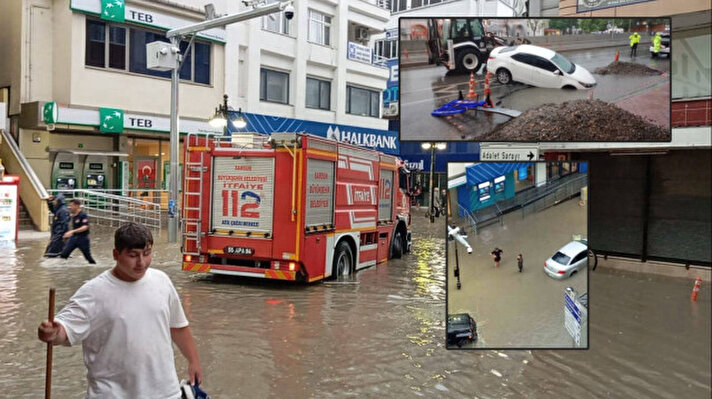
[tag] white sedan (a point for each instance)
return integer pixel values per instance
(567, 261)
(537, 66)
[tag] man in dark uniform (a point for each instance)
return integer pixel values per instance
(60, 225)
(79, 234)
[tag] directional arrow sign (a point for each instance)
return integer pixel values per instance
(509, 154)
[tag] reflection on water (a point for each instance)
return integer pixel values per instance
(380, 335)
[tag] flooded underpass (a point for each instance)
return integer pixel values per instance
(379, 335)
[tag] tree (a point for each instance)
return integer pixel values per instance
(562, 23)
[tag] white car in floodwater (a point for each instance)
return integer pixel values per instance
(567, 261)
(537, 66)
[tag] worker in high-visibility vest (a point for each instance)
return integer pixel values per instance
(634, 40)
(657, 40)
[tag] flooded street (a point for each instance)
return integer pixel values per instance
(425, 89)
(513, 309)
(380, 335)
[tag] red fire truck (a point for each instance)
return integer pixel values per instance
(291, 206)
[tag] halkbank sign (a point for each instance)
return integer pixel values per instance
(119, 11)
(381, 140)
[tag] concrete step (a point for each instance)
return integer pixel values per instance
(24, 220)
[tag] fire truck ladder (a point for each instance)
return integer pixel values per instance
(194, 173)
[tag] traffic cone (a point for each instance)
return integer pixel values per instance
(696, 289)
(488, 92)
(618, 54)
(471, 95)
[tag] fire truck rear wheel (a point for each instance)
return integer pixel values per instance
(397, 245)
(343, 260)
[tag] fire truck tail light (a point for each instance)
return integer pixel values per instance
(292, 266)
(188, 258)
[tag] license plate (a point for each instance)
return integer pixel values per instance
(239, 251)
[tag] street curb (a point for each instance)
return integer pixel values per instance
(654, 267)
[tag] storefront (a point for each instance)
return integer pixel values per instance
(486, 183)
(127, 153)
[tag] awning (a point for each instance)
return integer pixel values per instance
(486, 171)
(90, 152)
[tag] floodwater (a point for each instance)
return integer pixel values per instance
(425, 89)
(378, 336)
(516, 310)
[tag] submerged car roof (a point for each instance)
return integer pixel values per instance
(573, 248)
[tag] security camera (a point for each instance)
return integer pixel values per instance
(289, 11)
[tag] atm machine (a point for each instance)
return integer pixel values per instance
(95, 172)
(65, 172)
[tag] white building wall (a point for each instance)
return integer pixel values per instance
(250, 48)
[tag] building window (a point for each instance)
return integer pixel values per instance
(274, 86)
(126, 51)
(362, 102)
(319, 28)
(276, 22)
(387, 48)
(318, 94)
(691, 66)
(399, 5)
(96, 37)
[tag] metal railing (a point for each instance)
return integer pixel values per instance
(555, 195)
(471, 222)
(113, 210)
(484, 217)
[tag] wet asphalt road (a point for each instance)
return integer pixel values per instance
(424, 89)
(381, 335)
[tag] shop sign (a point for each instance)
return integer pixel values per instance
(590, 5)
(358, 52)
(381, 140)
(111, 120)
(49, 112)
(392, 34)
(108, 121)
(391, 93)
(119, 11)
(113, 10)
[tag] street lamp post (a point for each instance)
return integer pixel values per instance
(432, 147)
(175, 36)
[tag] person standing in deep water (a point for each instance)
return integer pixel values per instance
(78, 236)
(60, 225)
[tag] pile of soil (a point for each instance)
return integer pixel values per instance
(626, 68)
(577, 120)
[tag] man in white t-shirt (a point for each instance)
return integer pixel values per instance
(125, 319)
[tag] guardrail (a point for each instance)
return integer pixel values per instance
(113, 210)
(555, 195)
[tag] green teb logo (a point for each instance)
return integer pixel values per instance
(50, 113)
(112, 10)
(111, 120)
